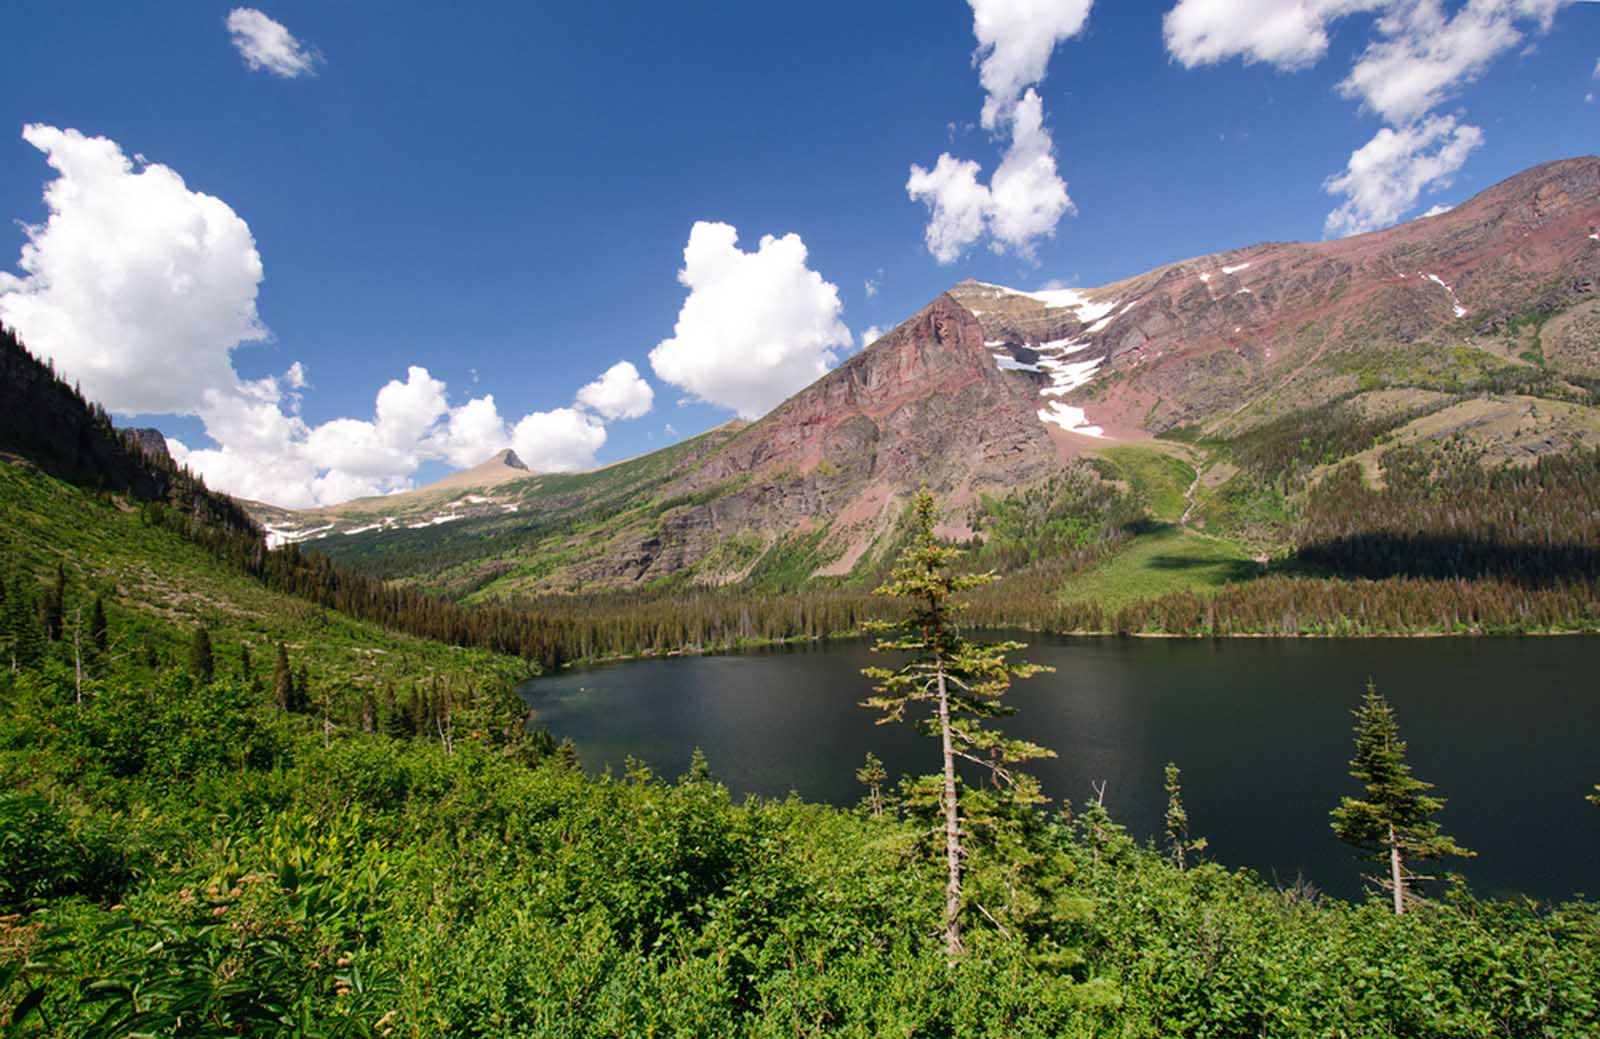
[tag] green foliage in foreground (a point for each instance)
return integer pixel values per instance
(184, 859)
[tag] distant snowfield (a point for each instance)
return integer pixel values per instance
(1454, 301)
(1065, 376)
(277, 537)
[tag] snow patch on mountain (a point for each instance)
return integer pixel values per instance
(1454, 301)
(1069, 418)
(1007, 363)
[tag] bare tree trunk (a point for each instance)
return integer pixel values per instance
(1397, 878)
(952, 831)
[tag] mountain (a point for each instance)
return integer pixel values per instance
(443, 501)
(1217, 389)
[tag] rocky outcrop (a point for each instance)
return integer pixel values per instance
(152, 442)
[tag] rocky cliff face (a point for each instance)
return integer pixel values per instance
(926, 404)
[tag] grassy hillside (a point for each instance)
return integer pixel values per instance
(157, 587)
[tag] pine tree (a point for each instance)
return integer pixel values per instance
(1393, 821)
(282, 680)
(202, 665)
(1178, 841)
(394, 722)
(99, 630)
(54, 607)
(872, 775)
(19, 623)
(960, 681)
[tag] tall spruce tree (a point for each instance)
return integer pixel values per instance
(202, 663)
(1392, 822)
(960, 681)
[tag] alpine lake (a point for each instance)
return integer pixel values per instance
(1508, 730)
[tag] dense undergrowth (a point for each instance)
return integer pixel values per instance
(182, 858)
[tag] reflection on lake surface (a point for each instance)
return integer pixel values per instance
(1506, 728)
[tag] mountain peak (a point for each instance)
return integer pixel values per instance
(501, 467)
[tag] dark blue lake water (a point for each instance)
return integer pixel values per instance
(1508, 729)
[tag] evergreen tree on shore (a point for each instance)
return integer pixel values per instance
(1178, 842)
(1392, 822)
(960, 681)
(872, 775)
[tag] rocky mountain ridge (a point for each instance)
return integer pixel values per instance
(989, 389)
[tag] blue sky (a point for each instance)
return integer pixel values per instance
(503, 195)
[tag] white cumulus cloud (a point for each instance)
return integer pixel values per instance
(133, 280)
(1289, 34)
(1026, 198)
(1423, 55)
(267, 46)
(561, 440)
(1387, 175)
(620, 392)
(1015, 39)
(756, 327)
(872, 335)
(140, 289)
(1420, 54)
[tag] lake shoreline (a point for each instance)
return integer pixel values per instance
(749, 645)
(1259, 726)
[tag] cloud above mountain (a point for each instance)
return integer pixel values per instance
(1418, 56)
(620, 392)
(140, 288)
(756, 326)
(1026, 197)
